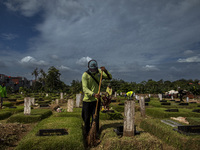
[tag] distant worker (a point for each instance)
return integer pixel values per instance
(180, 91)
(109, 91)
(3, 93)
(129, 95)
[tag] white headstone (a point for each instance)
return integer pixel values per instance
(172, 97)
(160, 96)
(47, 94)
(27, 106)
(61, 95)
(70, 105)
(149, 95)
(78, 100)
(57, 101)
(187, 99)
(129, 118)
(115, 94)
(142, 106)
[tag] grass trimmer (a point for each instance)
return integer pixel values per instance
(91, 139)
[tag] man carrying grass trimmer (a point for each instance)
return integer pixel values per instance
(90, 84)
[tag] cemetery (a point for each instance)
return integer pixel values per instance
(53, 121)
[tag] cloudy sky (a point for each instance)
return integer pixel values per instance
(135, 40)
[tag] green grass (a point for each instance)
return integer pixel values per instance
(36, 115)
(168, 135)
(72, 141)
(5, 114)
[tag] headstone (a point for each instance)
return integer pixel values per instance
(129, 120)
(27, 106)
(142, 107)
(115, 94)
(61, 95)
(57, 101)
(32, 101)
(47, 94)
(172, 97)
(187, 99)
(149, 95)
(70, 105)
(160, 96)
(120, 93)
(78, 100)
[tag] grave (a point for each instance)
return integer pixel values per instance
(172, 110)
(129, 120)
(61, 95)
(165, 103)
(146, 104)
(177, 101)
(51, 132)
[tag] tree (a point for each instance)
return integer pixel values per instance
(35, 73)
(53, 82)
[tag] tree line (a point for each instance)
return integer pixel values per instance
(50, 82)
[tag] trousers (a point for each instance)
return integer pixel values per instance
(88, 111)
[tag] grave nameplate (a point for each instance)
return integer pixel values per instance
(51, 132)
(119, 130)
(147, 99)
(172, 110)
(196, 110)
(185, 104)
(44, 105)
(189, 129)
(12, 107)
(165, 103)
(192, 102)
(12, 99)
(177, 101)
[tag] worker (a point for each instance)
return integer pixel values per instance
(129, 95)
(3, 93)
(90, 85)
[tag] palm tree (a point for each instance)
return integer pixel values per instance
(35, 73)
